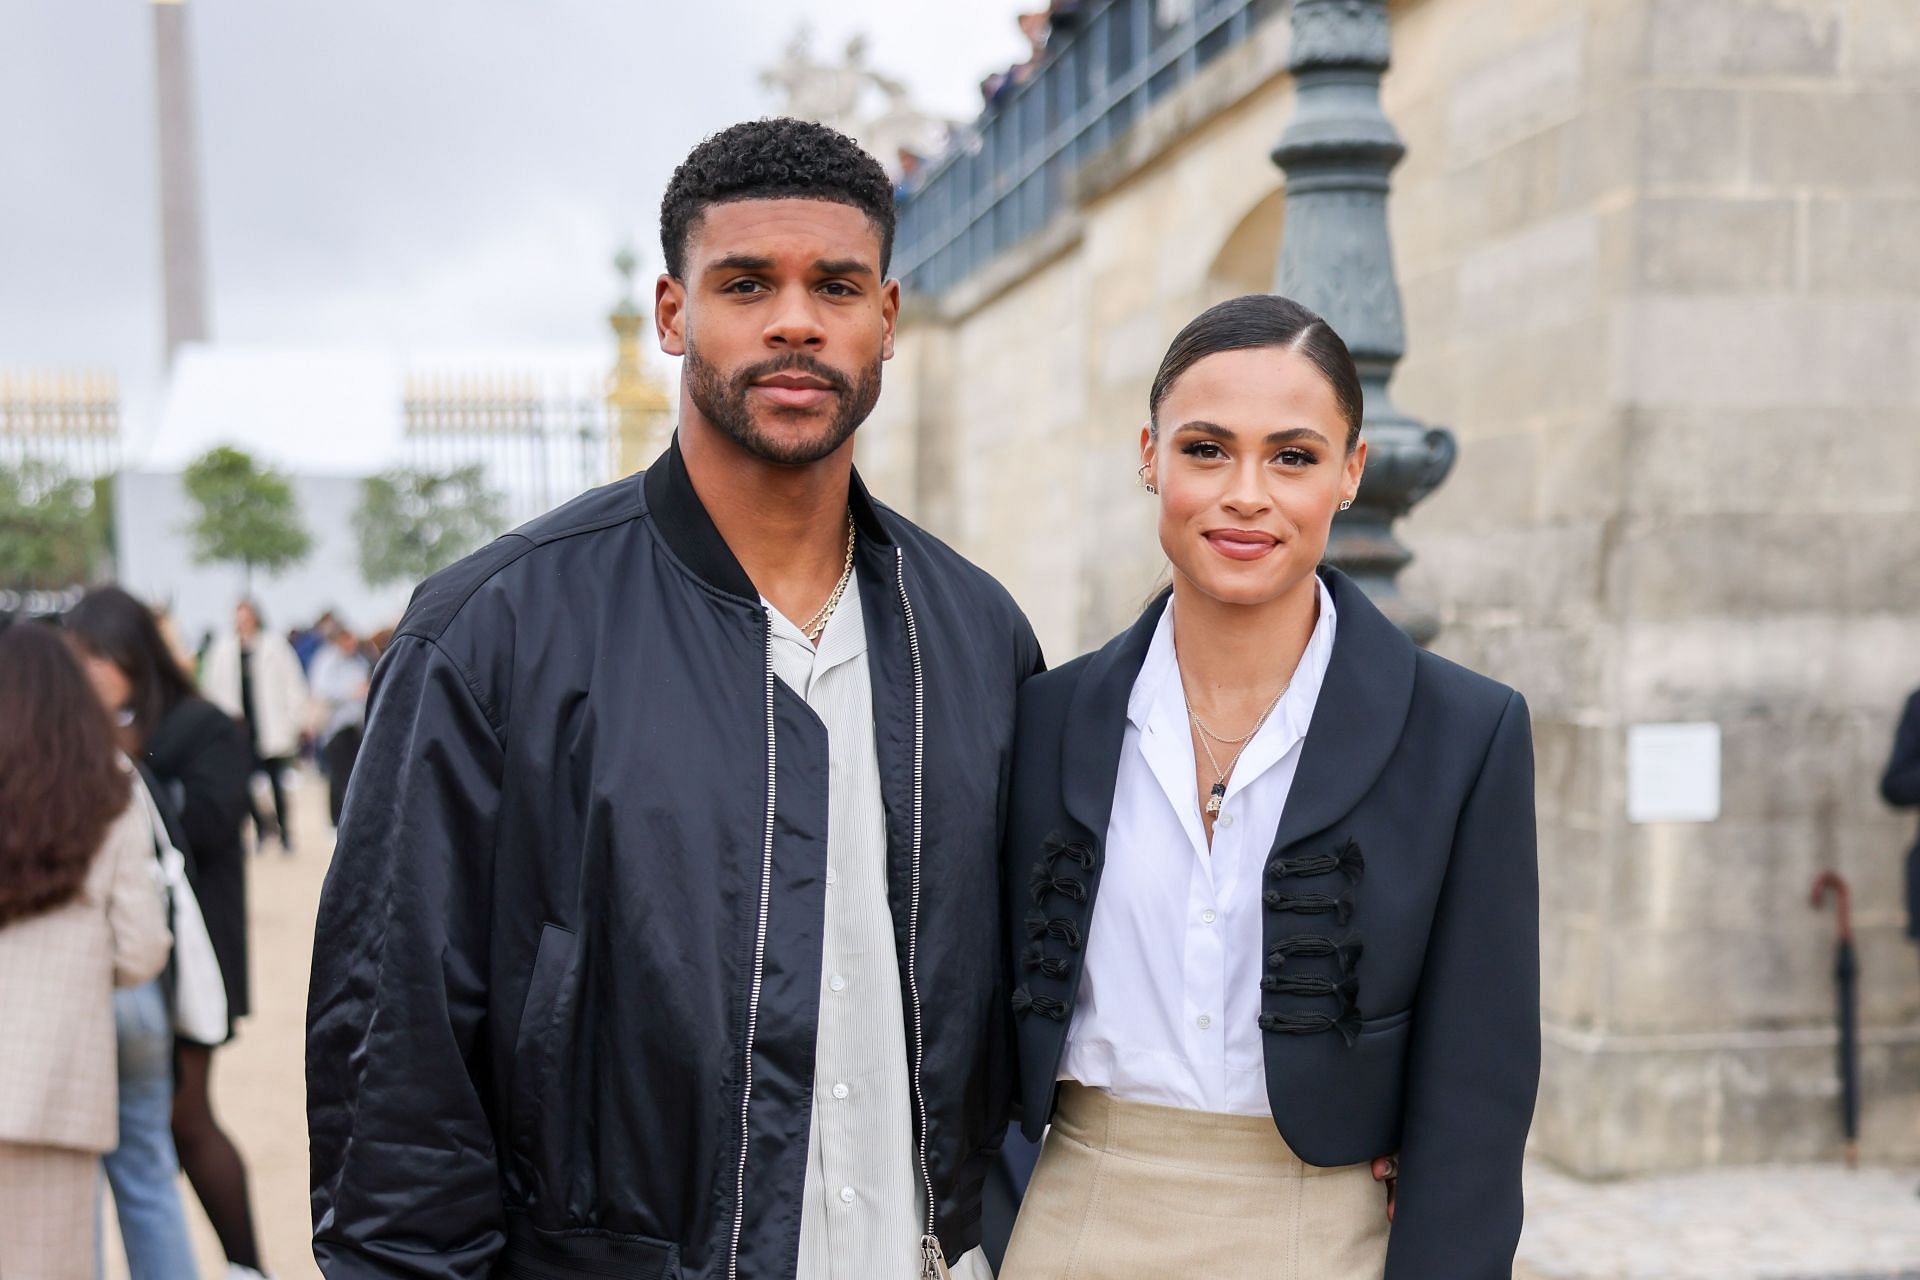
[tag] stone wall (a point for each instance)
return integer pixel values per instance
(1661, 263)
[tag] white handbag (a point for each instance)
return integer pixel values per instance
(199, 993)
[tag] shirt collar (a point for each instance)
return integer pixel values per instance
(1158, 698)
(843, 640)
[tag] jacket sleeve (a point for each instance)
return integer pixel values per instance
(214, 800)
(136, 912)
(1901, 784)
(404, 1175)
(1474, 1061)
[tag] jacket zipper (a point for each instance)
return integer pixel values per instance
(759, 971)
(932, 1262)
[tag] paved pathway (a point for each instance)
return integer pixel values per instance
(1798, 1223)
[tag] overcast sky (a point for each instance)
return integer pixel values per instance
(400, 174)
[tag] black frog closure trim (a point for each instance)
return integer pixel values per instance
(1058, 880)
(1319, 971)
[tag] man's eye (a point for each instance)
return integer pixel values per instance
(838, 289)
(742, 286)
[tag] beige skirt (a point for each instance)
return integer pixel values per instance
(46, 1212)
(1127, 1191)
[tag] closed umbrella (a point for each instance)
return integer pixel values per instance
(1844, 970)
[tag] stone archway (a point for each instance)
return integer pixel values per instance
(1246, 260)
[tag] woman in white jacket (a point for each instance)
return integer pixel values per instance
(80, 913)
(254, 676)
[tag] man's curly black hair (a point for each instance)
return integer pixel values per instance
(774, 159)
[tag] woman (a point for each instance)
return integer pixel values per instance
(253, 675)
(80, 913)
(1272, 879)
(339, 679)
(200, 761)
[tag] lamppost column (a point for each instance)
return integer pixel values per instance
(1336, 256)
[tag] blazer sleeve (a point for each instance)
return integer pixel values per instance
(404, 1176)
(1901, 784)
(136, 912)
(1474, 1061)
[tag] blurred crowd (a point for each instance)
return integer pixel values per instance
(135, 776)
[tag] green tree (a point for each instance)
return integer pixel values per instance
(50, 536)
(412, 523)
(248, 514)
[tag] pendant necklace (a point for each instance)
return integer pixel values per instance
(1218, 796)
(817, 625)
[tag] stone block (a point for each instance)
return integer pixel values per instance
(1580, 475)
(1864, 246)
(1695, 978)
(1730, 566)
(1761, 353)
(1570, 970)
(1857, 141)
(1530, 377)
(1691, 137)
(1545, 276)
(1882, 40)
(1577, 769)
(1517, 92)
(1715, 245)
(1737, 38)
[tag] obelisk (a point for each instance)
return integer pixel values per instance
(182, 239)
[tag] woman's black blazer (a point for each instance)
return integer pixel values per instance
(1401, 997)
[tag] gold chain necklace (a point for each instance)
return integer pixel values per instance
(817, 625)
(1218, 795)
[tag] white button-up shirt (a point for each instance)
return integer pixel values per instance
(862, 1212)
(1169, 1005)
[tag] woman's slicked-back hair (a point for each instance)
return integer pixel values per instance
(1263, 320)
(108, 623)
(61, 785)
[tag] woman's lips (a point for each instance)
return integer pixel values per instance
(1241, 544)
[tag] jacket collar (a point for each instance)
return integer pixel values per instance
(689, 531)
(1356, 721)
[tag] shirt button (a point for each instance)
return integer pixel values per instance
(1203, 1022)
(846, 1195)
(1224, 820)
(1207, 916)
(831, 876)
(837, 982)
(840, 1091)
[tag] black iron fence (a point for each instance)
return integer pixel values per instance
(1011, 174)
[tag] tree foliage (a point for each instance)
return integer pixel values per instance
(412, 523)
(50, 531)
(247, 514)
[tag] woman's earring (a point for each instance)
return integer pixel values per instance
(1144, 482)
(1345, 503)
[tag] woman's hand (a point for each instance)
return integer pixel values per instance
(1387, 1169)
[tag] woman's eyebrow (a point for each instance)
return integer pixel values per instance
(1219, 432)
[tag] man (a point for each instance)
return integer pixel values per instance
(660, 939)
(338, 678)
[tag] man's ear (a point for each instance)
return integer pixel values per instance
(670, 315)
(889, 313)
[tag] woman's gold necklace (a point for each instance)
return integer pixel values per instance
(817, 625)
(1218, 796)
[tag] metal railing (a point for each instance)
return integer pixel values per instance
(1012, 174)
(66, 418)
(541, 441)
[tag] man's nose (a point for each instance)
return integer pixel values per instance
(795, 323)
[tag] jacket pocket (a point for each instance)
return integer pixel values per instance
(1388, 1022)
(533, 1254)
(543, 1041)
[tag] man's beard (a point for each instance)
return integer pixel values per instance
(724, 403)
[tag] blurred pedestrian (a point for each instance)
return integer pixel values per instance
(1901, 788)
(254, 676)
(200, 759)
(340, 674)
(144, 1169)
(308, 643)
(80, 913)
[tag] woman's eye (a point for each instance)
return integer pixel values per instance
(1203, 449)
(1296, 458)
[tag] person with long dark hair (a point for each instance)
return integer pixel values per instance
(200, 760)
(1271, 877)
(80, 913)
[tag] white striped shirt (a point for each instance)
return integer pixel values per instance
(861, 1215)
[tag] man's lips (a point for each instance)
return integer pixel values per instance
(1241, 544)
(794, 390)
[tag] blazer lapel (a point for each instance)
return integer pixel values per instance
(1097, 723)
(1357, 721)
